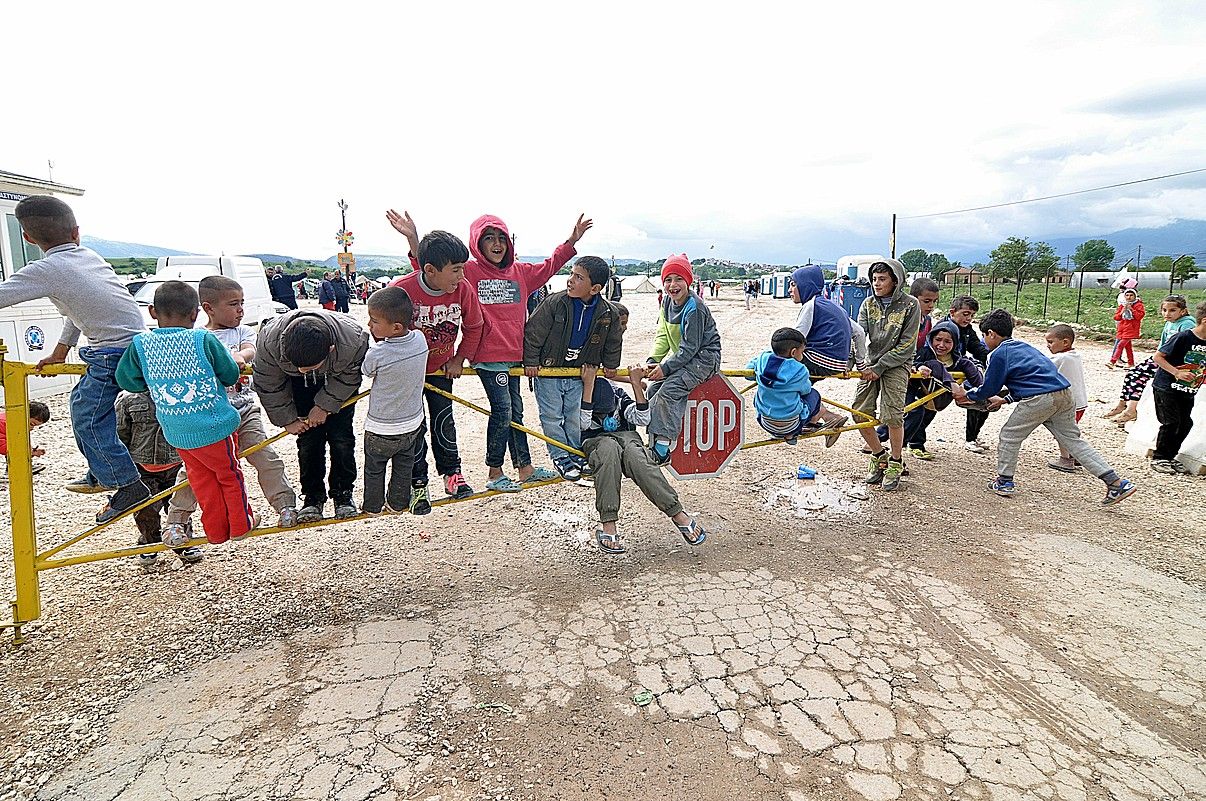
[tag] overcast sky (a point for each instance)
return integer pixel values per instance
(773, 131)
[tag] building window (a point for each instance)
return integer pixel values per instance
(22, 252)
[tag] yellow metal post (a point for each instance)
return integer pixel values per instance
(28, 605)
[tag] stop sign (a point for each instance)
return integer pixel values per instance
(713, 430)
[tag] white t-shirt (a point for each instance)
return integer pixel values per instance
(397, 366)
(234, 338)
(1071, 367)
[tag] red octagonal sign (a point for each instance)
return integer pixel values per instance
(713, 430)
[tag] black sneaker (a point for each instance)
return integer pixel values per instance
(419, 504)
(568, 469)
(124, 499)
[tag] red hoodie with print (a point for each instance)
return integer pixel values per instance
(503, 290)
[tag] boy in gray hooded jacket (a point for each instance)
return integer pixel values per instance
(891, 318)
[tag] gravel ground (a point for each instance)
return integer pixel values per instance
(825, 643)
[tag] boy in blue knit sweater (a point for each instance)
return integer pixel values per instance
(1041, 397)
(186, 371)
(786, 402)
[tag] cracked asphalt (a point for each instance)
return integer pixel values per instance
(939, 643)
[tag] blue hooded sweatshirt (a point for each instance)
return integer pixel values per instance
(782, 386)
(1021, 367)
(828, 327)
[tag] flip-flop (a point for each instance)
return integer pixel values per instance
(503, 484)
(540, 474)
(693, 533)
(608, 543)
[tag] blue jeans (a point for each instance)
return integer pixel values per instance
(560, 401)
(506, 406)
(94, 422)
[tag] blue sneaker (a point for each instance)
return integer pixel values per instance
(1003, 487)
(1119, 492)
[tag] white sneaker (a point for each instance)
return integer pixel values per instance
(985, 445)
(976, 447)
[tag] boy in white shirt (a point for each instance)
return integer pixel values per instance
(1067, 360)
(397, 363)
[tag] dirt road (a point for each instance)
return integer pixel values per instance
(940, 642)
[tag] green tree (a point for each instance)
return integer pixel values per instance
(915, 260)
(1096, 254)
(1182, 268)
(1020, 260)
(938, 264)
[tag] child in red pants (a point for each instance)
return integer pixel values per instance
(186, 371)
(1130, 317)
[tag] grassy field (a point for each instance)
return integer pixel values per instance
(1097, 305)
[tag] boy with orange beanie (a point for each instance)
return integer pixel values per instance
(686, 353)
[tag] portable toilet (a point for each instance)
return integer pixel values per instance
(781, 285)
(856, 268)
(766, 285)
(850, 297)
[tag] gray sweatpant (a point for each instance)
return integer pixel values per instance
(623, 453)
(269, 470)
(668, 398)
(1056, 411)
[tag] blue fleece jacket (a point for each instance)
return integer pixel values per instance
(782, 386)
(828, 326)
(1021, 367)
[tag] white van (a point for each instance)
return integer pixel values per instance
(258, 305)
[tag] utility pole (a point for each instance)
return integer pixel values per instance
(1138, 264)
(892, 239)
(344, 237)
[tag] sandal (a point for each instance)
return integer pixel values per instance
(693, 533)
(839, 422)
(503, 484)
(608, 543)
(540, 474)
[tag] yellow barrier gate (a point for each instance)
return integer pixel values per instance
(28, 563)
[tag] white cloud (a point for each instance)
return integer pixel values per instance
(770, 132)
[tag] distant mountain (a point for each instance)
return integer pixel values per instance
(1179, 236)
(394, 265)
(273, 258)
(110, 249)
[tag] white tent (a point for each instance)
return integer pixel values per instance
(638, 284)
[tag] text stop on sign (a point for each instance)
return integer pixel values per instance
(713, 430)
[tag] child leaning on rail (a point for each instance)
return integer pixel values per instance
(395, 425)
(445, 307)
(158, 464)
(95, 303)
(570, 329)
(222, 302)
(786, 402)
(686, 353)
(185, 370)
(609, 419)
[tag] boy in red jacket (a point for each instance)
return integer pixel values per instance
(1130, 318)
(444, 305)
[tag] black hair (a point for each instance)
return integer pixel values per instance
(1063, 331)
(785, 340)
(440, 248)
(1177, 300)
(922, 285)
(999, 322)
(965, 302)
(596, 268)
(48, 221)
(175, 299)
(307, 341)
(621, 309)
(39, 411)
(212, 287)
(393, 304)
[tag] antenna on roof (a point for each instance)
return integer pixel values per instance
(49, 170)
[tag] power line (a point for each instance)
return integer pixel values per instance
(1053, 197)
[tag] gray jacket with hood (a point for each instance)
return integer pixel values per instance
(339, 374)
(891, 330)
